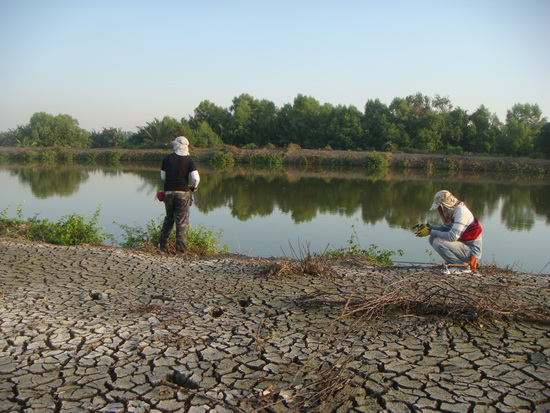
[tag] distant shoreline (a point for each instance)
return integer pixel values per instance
(287, 156)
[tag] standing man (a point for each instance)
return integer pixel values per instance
(458, 240)
(177, 170)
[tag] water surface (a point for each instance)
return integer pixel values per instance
(282, 213)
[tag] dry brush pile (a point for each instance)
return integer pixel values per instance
(490, 294)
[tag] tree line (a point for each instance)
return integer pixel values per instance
(416, 123)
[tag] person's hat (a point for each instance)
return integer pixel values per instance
(181, 140)
(444, 198)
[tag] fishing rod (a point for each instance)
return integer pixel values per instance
(432, 264)
(413, 262)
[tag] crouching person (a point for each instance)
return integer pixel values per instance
(458, 240)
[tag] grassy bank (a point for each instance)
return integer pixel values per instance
(228, 156)
(76, 229)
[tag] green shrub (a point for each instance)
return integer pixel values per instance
(375, 162)
(404, 163)
(222, 160)
(389, 146)
(312, 160)
(373, 253)
(250, 146)
(341, 161)
(532, 170)
(263, 160)
(303, 161)
(69, 230)
(514, 168)
(292, 147)
(498, 166)
(454, 150)
(67, 158)
(448, 163)
(112, 158)
(27, 156)
(428, 166)
(473, 166)
(201, 241)
(335, 162)
(141, 155)
(86, 158)
(49, 157)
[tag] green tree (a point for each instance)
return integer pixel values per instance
(108, 138)
(382, 131)
(4, 138)
(455, 128)
(240, 132)
(42, 130)
(20, 137)
(483, 131)
(308, 121)
(531, 115)
(442, 104)
(416, 117)
(159, 133)
(345, 130)
(376, 125)
(284, 128)
(74, 136)
(49, 130)
(218, 118)
(253, 121)
(429, 129)
(204, 136)
(454, 122)
(523, 124)
(264, 121)
(542, 142)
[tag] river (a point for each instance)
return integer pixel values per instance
(289, 212)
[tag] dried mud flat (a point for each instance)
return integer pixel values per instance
(111, 330)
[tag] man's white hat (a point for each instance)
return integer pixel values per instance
(181, 140)
(181, 146)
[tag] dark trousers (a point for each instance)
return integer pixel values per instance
(177, 212)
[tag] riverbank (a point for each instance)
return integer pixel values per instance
(109, 329)
(292, 155)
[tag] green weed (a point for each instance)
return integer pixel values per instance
(382, 256)
(222, 160)
(72, 229)
(263, 160)
(49, 157)
(375, 162)
(201, 241)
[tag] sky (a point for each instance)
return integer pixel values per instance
(124, 63)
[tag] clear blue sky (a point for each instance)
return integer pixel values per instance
(122, 63)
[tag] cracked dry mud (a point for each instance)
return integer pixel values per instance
(111, 330)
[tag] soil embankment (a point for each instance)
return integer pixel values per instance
(293, 155)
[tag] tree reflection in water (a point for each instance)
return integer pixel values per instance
(395, 200)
